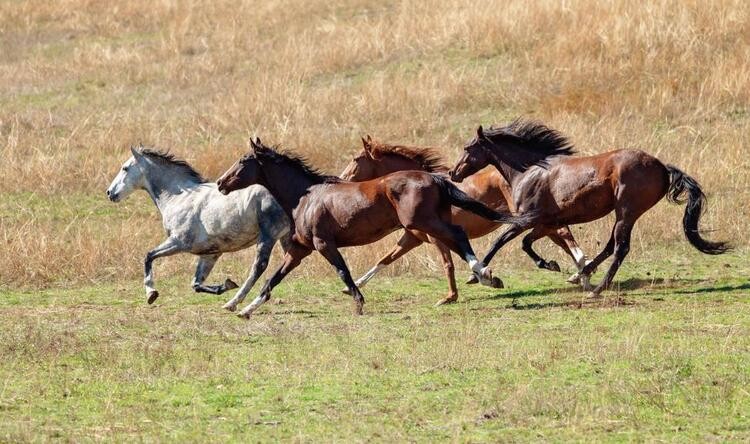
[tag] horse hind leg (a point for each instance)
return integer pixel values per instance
(454, 237)
(445, 254)
(263, 250)
(405, 244)
(203, 269)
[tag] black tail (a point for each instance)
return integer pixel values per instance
(679, 184)
(460, 199)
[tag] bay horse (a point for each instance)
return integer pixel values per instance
(329, 213)
(554, 188)
(200, 220)
(487, 186)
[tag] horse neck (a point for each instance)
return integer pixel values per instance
(163, 184)
(287, 184)
(510, 173)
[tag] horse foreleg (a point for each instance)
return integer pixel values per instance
(584, 275)
(203, 269)
(405, 244)
(621, 234)
(292, 259)
(331, 253)
(564, 239)
(262, 254)
(528, 241)
(508, 235)
(166, 248)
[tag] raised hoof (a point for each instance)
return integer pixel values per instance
(151, 296)
(447, 300)
(553, 266)
(497, 282)
(230, 285)
(230, 307)
(346, 291)
(472, 280)
(593, 295)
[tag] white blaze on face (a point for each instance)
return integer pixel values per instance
(126, 181)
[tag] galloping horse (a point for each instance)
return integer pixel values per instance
(329, 213)
(555, 189)
(487, 186)
(199, 220)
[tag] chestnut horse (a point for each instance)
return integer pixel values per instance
(487, 186)
(556, 189)
(329, 213)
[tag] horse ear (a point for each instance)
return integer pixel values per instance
(136, 153)
(367, 145)
(480, 132)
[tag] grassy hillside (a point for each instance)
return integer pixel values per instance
(84, 80)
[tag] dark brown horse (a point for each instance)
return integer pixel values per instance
(329, 213)
(487, 186)
(556, 189)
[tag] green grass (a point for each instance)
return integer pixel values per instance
(665, 358)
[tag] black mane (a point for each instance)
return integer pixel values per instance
(274, 154)
(169, 158)
(533, 136)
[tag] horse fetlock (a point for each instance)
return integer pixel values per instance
(586, 282)
(231, 306)
(359, 305)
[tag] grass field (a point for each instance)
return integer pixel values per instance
(667, 359)
(665, 356)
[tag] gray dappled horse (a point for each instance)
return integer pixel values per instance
(200, 220)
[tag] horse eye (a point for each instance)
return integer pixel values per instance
(125, 169)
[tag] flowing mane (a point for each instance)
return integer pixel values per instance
(534, 137)
(167, 158)
(273, 154)
(426, 157)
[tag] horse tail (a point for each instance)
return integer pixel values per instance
(462, 200)
(679, 185)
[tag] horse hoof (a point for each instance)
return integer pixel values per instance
(151, 296)
(553, 266)
(358, 308)
(446, 301)
(472, 280)
(346, 291)
(230, 307)
(244, 314)
(575, 279)
(497, 282)
(594, 295)
(230, 285)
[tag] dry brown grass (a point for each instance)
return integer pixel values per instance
(82, 80)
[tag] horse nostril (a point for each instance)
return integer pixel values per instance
(108, 192)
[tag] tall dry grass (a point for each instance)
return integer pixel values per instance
(82, 80)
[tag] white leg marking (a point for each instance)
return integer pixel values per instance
(361, 282)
